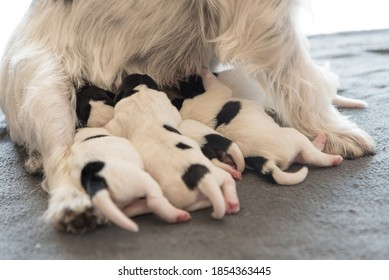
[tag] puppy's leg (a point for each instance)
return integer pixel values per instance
(320, 141)
(230, 195)
(158, 204)
(310, 152)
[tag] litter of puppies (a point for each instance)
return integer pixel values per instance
(135, 153)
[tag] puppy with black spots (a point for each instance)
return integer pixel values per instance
(94, 106)
(111, 171)
(188, 179)
(221, 151)
(267, 147)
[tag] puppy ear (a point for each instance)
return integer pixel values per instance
(127, 88)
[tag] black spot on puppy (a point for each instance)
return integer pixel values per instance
(127, 88)
(92, 182)
(183, 146)
(87, 94)
(171, 129)
(228, 113)
(215, 146)
(257, 163)
(191, 87)
(194, 174)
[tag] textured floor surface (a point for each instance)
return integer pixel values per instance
(337, 213)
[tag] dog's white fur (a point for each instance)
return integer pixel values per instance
(164, 161)
(127, 187)
(243, 86)
(61, 43)
(280, 146)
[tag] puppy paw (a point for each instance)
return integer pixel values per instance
(183, 217)
(71, 210)
(232, 208)
(320, 141)
(336, 160)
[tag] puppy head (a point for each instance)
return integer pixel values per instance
(94, 106)
(129, 84)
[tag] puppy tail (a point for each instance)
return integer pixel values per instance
(97, 189)
(268, 168)
(212, 191)
(286, 178)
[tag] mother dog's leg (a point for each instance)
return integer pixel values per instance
(263, 39)
(38, 100)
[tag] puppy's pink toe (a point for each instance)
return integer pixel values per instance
(337, 160)
(237, 175)
(233, 207)
(183, 217)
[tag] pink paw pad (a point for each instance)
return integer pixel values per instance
(237, 175)
(232, 207)
(320, 141)
(183, 217)
(337, 160)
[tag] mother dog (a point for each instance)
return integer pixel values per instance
(60, 44)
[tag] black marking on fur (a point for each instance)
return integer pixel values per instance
(92, 182)
(191, 87)
(177, 102)
(183, 146)
(216, 146)
(257, 163)
(94, 137)
(228, 113)
(193, 175)
(127, 88)
(90, 93)
(171, 129)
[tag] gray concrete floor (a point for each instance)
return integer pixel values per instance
(337, 213)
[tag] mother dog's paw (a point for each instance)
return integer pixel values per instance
(351, 144)
(71, 210)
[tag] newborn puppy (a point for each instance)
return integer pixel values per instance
(188, 179)
(221, 151)
(267, 147)
(94, 106)
(111, 171)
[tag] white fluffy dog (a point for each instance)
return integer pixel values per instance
(60, 44)
(188, 179)
(111, 171)
(267, 147)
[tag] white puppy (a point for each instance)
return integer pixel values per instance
(111, 171)
(267, 147)
(188, 179)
